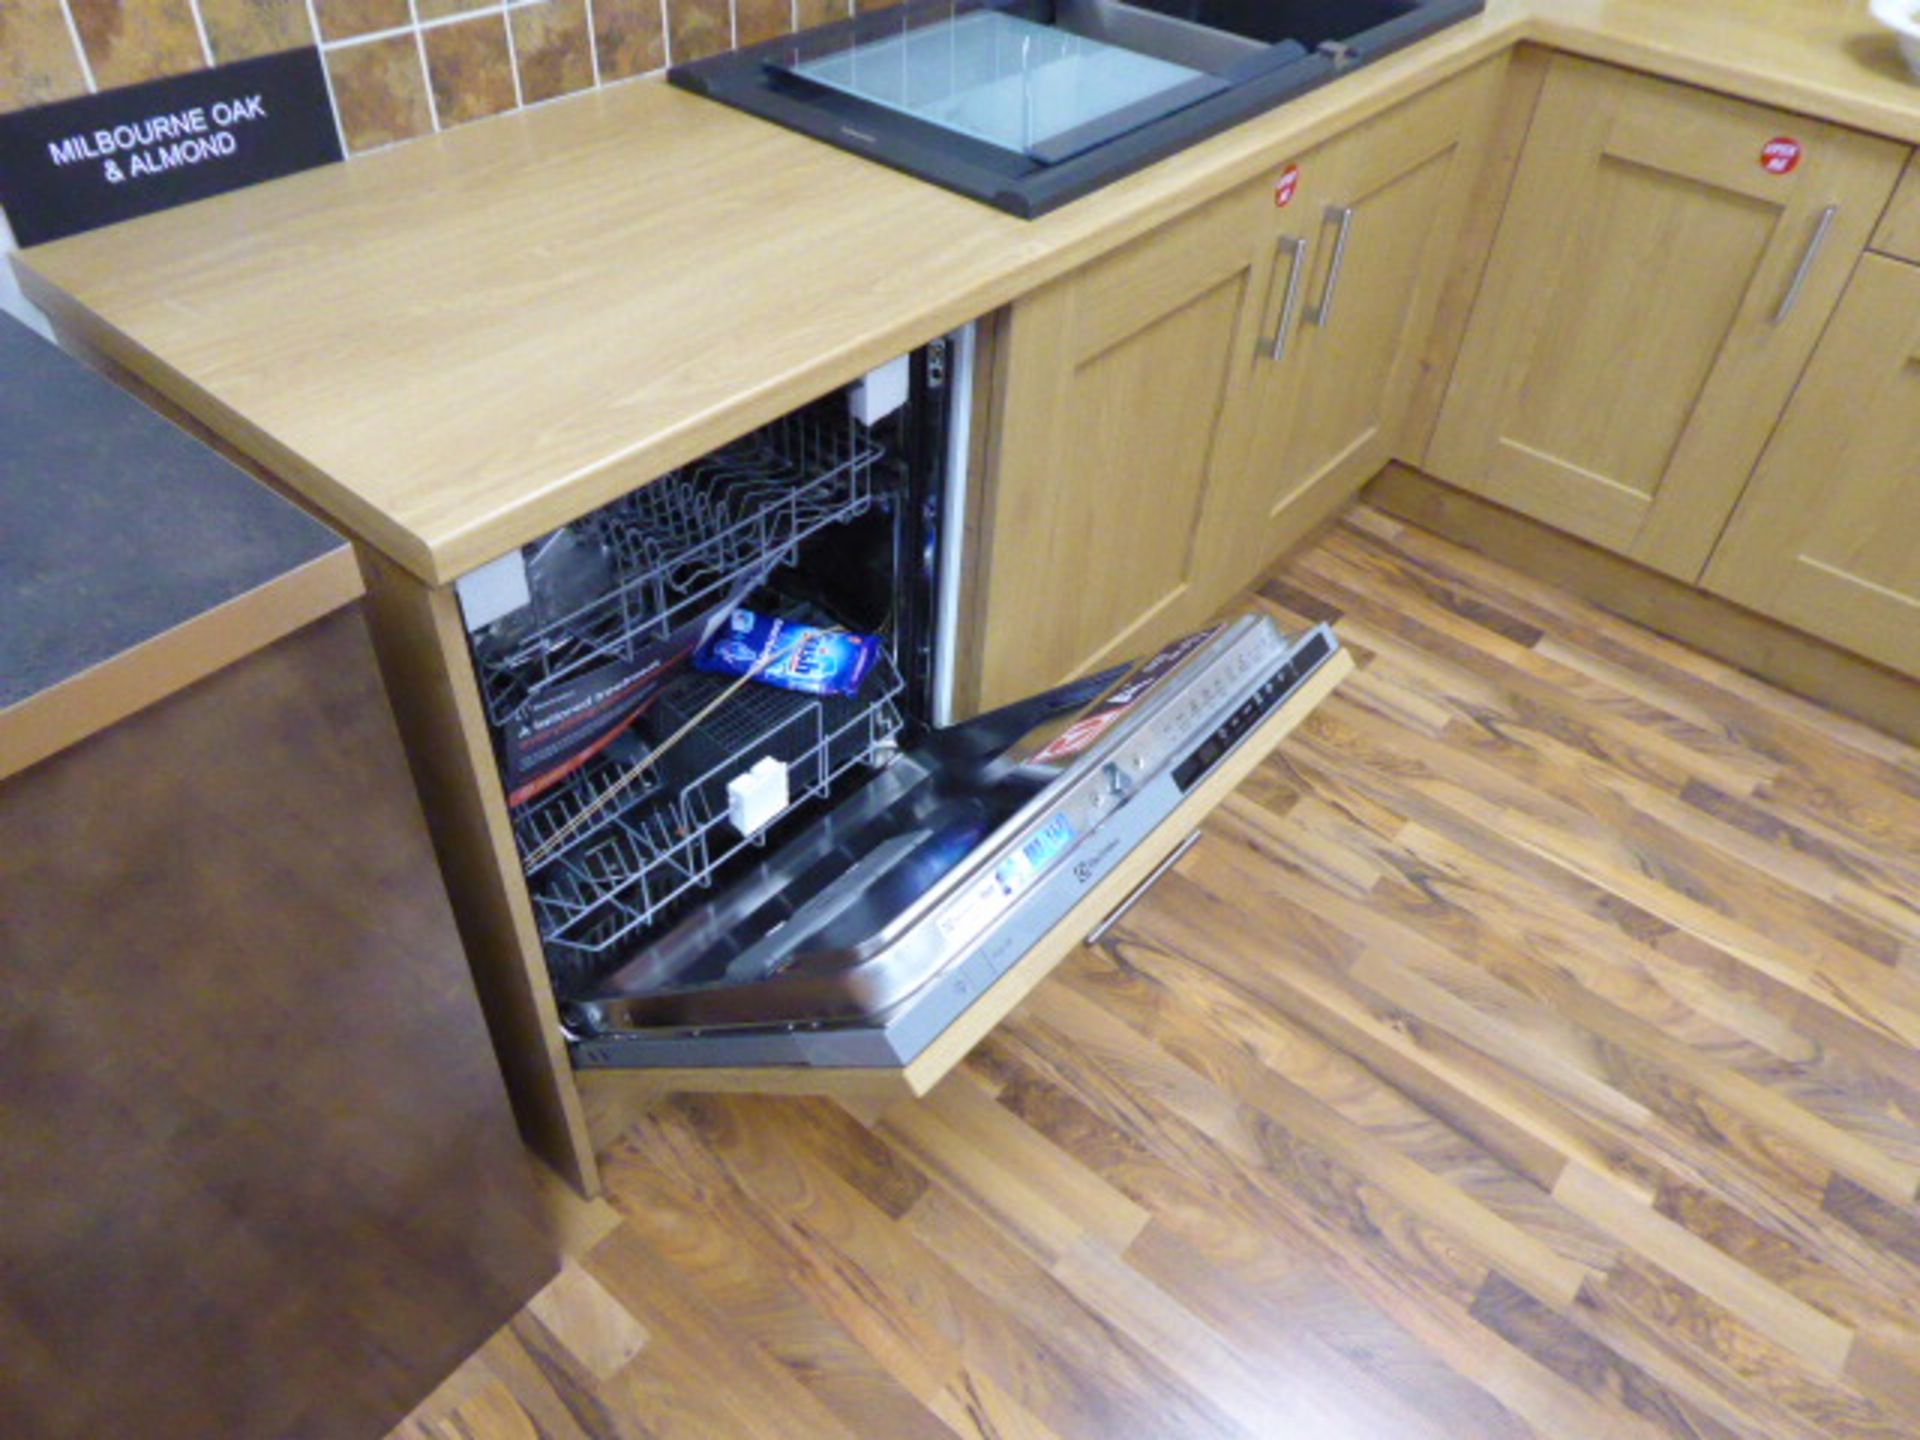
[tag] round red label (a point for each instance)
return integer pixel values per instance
(1286, 187)
(1781, 155)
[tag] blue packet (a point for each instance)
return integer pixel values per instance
(799, 657)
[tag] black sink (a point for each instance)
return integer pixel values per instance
(1311, 22)
(1027, 104)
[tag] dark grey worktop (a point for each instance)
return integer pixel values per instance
(115, 525)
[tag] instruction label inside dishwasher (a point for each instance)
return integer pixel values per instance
(993, 893)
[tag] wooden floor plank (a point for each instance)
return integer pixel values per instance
(1530, 1049)
(1248, 1049)
(1404, 1271)
(1770, 720)
(1789, 1321)
(1278, 1105)
(959, 1136)
(1771, 1180)
(1569, 1352)
(738, 1266)
(1455, 793)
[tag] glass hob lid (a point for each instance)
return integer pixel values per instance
(1029, 88)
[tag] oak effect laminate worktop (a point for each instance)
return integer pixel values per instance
(453, 346)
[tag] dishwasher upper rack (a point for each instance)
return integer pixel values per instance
(620, 878)
(685, 541)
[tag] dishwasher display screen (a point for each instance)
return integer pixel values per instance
(1042, 848)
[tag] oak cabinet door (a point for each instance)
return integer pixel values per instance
(1358, 260)
(1899, 232)
(1827, 537)
(1109, 385)
(1666, 263)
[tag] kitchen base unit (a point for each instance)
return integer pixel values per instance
(701, 801)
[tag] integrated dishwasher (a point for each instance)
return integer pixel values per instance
(729, 871)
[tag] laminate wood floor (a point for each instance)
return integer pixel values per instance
(1528, 1050)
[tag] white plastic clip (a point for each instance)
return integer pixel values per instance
(755, 798)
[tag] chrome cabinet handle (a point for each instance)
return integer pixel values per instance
(1322, 314)
(1814, 246)
(1296, 251)
(1099, 932)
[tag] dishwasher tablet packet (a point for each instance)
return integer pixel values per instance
(797, 657)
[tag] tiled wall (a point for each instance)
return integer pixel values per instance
(395, 68)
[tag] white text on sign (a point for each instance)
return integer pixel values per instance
(162, 142)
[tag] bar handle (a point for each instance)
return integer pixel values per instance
(1099, 932)
(1322, 314)
(1296, 251)
(1807, 261)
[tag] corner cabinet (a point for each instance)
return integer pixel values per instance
(1827, 536)
(1666, 264)
(1165, 419)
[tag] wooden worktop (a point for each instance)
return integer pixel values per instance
(455, 345)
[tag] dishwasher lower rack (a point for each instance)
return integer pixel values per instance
(681, 543)
(617, 878)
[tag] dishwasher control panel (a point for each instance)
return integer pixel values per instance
(1307, 657)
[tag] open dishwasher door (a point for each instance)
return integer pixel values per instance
(892, 934)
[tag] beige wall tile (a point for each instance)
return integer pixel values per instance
(698, 28)
(821, 12)
(627, 33)
(550, 42)
(439, 9)
(241, 29)
(468, 67)
(133, 40)
(343, 19)
(757, 20)
(37, 60)
(381, 91)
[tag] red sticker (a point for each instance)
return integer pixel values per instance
(1782, 155)
(1141, 682)
(1286, 187)
(1077, 737)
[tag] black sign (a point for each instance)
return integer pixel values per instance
(78, 164)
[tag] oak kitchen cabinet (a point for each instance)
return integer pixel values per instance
(1665, 266)
(1357, 261)
(1899, 232)
(1170, 416)
(1110, 387)
(1827, 536)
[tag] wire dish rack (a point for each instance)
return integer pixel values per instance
(682, 543)
(661, 841)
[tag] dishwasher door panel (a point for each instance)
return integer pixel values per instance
(892, 934)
